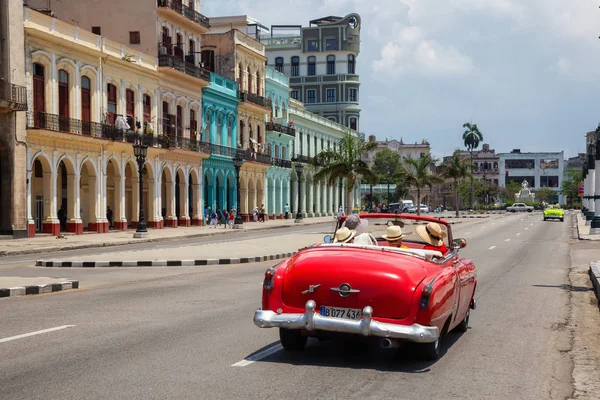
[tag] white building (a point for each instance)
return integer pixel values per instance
(540, 170)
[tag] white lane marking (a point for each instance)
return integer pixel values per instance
(258, 356)
(468, 233)
(518, 233)
(58, 328)
(530, 224)
(526, 228)
(522, 219)
(507, 240)
(492, 248)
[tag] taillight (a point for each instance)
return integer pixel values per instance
(426, 295)
(269, 278)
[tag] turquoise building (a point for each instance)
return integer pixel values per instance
(279, 143)
(219, 132)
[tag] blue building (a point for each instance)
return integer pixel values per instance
(219, 131)
(280, 137)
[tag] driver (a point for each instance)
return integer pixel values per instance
(353, 222)
(433, 234)
(393, 235)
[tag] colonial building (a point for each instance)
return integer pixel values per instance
(485, 163)
(13, 136)
(404, 150)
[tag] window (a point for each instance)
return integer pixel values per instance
(191, 5)
(331, 65)
(295, 66)
(134, 37)
(111, 93)
(308, 145)
(312, 66)
(208, 60)
(331, 96)
(331, 44)
(351, 64)
(39, 96)
(279, 64)
(63, 93)
(315, 145)
(147, 108)
(519, 163)
(295, 94)
(301, 144)
(313, 45)
(86, 99)
(179, 121)
(96, 30)
(353, 123)
(165, 118)
(129, 103)
(193, 124)
(311, 96)
(352, 94)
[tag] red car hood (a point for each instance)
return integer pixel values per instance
(386, 281)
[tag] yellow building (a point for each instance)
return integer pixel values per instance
(84, 90)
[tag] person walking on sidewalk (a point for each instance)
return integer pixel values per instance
(213, 220)
(231, 218)
(261, 213)
(225, 218)
(255, 214)
(219, 216)
(340, 212)
(109, 217)
(286, 210)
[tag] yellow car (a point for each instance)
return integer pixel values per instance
(554, 212)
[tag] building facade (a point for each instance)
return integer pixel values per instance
(13, 136)
(485, 163)
(540, 170)
(404, 150)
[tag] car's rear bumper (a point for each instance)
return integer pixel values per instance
(313, 321)
(554, 216)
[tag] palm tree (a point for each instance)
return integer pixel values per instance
(471, 137)
(456, 168)
(417, 173)
(345, 163)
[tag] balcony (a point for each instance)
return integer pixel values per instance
(186, 11)
(274, 127)
(278, 162)
(169, 61)
(302, 159)
(255, 99)
(13, 97)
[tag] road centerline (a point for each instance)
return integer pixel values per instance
(25, 335)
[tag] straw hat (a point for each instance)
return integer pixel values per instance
(393, 233)
(344, 235)
(432, 233)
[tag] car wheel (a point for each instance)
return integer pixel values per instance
(292, 339)
(562, 220)
(544, 218)
(430, 351)
(464, 324)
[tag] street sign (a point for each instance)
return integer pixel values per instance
(580, 189)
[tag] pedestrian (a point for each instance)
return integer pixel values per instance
(225, 218)
(261, 213)
(213, 220)
(207, 215)
(340, 212)
(255, 214)
(231, 218)
(219, 216)
(109, 217)
(62, 217)
(286, 210)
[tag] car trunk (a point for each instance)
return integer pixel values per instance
(386, 281)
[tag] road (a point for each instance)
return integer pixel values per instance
(190, 335)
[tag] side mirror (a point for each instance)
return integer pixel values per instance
(328, 239)
(459, 243)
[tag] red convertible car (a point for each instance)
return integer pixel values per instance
(371, 290)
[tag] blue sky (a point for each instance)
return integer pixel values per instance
(526, 71)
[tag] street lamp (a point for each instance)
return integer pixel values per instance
(341, 190)
(299, 168)
(238, 160)
(140, 151)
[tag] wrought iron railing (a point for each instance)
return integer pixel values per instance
(274, 127)
(186, 11)
(302, 159)
(169, 61)
(254, 98)
(278, 162)
(13, 96)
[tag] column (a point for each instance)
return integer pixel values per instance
(120, 221)
(184, 204)
(54, 85)
(595, 224)
(93, 223)
(140, 106)
(77, 91)
(74, 223)
(121, 101)
(135, 202)
(234, 132)
(304, 193)
(213, 128)
(198, 209)
(50, 224)
(170, 204)
(224, 131)
(318, 200)
(592, 183)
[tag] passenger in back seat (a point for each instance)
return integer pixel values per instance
(393, 235)
(432, 234)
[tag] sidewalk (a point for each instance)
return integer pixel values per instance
(45, 243)
(583, 230)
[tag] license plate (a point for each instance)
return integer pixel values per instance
(344, 313)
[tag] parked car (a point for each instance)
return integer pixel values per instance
(413, 210)
(519, 207)
(554, 212)
(390, 295)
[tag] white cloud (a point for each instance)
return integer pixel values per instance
(411, 53)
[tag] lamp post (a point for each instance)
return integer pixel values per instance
(299, 168)
(595, 222)
(340, 195)
(140, 152)
(238, 160)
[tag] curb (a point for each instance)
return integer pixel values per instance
(595, 277)
(38, 289)
(136, 241)
(161, 263)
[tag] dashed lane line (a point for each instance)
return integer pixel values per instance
(518, 233)
(258, 356)
(25, 335)
(507, 240)
(492, 248)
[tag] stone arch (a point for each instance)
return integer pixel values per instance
(88, 196)
(167, 196)
(181, 196)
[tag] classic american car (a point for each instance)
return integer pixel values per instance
(554, 212)
(519, 207)
(376, 292)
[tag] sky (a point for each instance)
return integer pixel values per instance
(525, 71)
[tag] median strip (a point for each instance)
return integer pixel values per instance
(38, 289)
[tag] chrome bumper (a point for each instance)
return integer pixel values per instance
(313, 321)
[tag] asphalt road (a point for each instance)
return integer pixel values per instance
(191, 336)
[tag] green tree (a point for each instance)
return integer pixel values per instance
(471, 138)
(345, 163)
(388, 167)
(510, 190)
(570, 185)
(456, 168)
(417, 173)
(545, 194)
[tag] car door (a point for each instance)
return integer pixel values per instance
(465, 270)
